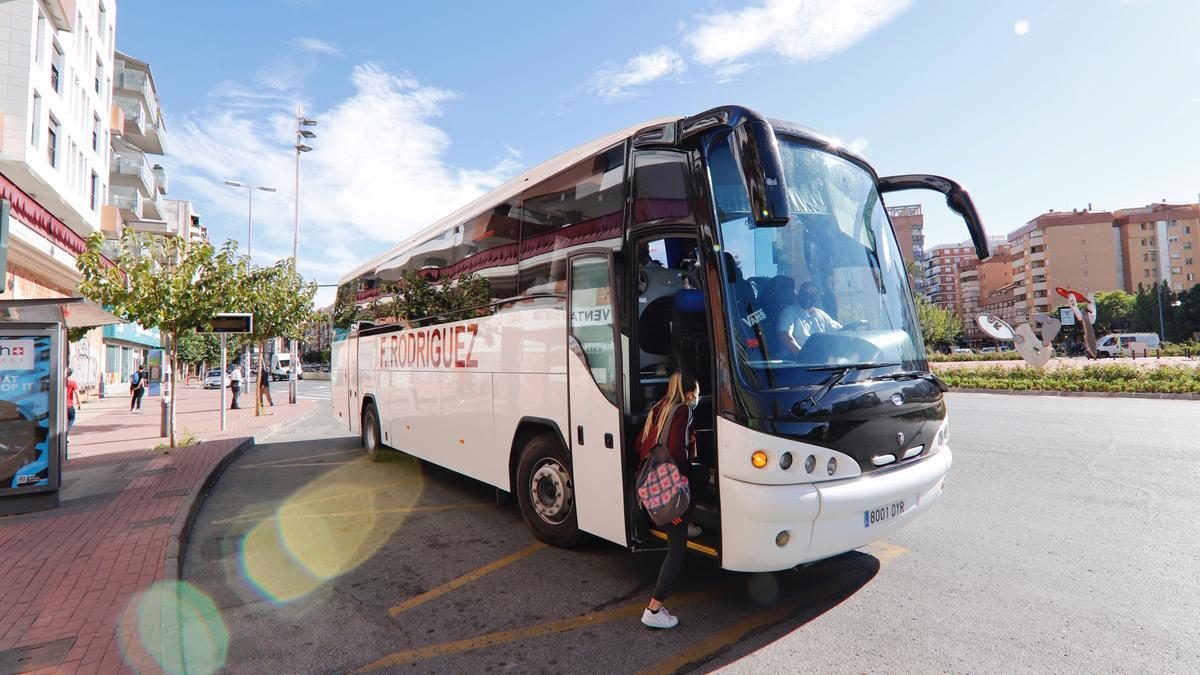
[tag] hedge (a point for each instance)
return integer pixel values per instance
(1114, 379)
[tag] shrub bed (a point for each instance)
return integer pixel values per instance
(1112, 379)
(1010, 355)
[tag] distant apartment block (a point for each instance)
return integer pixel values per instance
(978, 281)
(1158, 242)
(139, 182)
(1070, 249)
(943, 265)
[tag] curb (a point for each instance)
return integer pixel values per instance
(271, 431)
(181, 527)
(1080, 394)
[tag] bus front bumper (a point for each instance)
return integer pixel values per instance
(824, 519)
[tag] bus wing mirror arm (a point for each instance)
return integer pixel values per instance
(957, 199)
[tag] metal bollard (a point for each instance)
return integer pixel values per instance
(164, 419)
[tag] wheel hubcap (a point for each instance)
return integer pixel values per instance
(551, 492)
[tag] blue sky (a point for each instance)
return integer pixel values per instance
(422, 106)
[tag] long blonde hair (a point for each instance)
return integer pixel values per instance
(677, 391)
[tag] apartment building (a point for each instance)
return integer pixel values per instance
(943, 265)
(139, 182)
(1159, 242)
(977, 281)
(1070, 249)
(909, 224)
(55, 98)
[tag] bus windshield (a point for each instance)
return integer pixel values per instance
(827, 289)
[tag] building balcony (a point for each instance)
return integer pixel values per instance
(130, 169)
(160, 178)
(127, 200)
(1039, 255)
(137, 82)
(154, 208)
(116, 120)
(143, 127)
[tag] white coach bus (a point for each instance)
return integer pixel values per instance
(522, 339)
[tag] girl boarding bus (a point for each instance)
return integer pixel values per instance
(522, 339)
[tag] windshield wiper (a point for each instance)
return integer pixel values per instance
(840, 371)
(926, 375)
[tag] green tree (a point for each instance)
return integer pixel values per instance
(282, 304)
(1114, 311)
(167, 282)
(941, 327)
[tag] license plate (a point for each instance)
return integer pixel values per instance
(884, 513)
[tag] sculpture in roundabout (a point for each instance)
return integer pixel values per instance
(1033, 340)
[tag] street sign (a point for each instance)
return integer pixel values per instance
(1066, 316)
(231, 323)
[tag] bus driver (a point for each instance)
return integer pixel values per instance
(797, 322)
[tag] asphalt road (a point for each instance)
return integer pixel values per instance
(1066, 540)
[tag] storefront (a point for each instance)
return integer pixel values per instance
(126, 347)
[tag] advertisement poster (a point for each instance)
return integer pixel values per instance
(25, 402)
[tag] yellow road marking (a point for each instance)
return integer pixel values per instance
(316, 500)
(370, 512)
(548, 628)
(463, 580)
(886, 552)
(288, 466)
(719, 641)
(294, 459)
(691, 544)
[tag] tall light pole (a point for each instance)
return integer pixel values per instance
(302, 134)
(249, 239)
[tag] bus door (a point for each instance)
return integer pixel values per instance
(594, 386)
(353, 401)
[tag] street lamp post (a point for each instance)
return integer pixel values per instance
(302, 134)
(249, 236)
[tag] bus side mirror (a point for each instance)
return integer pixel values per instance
(763, 173)
(956, 198)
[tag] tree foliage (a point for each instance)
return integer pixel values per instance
(167, 282)
(1114, 311)
(941, 327)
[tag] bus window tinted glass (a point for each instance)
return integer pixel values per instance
(580, 207)
(828, 288)
(592, 320)
(660, 189)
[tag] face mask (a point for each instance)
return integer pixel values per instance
(694, 403)
(808, 299)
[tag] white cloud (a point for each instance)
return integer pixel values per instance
(615, 82)
(728, 73)
(378, 172)
(316, 45)
(798, 30)
(1021, 27)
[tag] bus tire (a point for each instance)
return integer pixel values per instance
(370, 429)
(546, 493)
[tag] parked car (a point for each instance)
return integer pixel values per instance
(281, 364)
(213, 379)
(963, 350)
(988, 350)
(1113, 343)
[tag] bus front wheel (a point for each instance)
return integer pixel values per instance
(546, 492)
(370, 429)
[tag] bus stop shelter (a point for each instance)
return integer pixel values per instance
(33, 421)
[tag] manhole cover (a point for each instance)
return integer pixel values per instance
(150, 523)
(149, 472)
(177, 492)
(33, 657)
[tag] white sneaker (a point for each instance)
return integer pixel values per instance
(694, 531)
(660, 619)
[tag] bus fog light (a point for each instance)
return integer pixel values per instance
(785, 461)
(758, 459)
(831, 467)
(810, 463)
(782, 539)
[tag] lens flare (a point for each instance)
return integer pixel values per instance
(329, 527)
(173, 627)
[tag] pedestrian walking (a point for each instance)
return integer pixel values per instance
(235, 383)
(675, 409)
(137, 388)
(264, 387)
(72, 389)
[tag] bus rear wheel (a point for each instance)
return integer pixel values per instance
(370, 429)
(546, 492)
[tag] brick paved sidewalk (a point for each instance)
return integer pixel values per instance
(73, 593)
(105, 425)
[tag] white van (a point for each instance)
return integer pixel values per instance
(281, 367)
(1114, 343)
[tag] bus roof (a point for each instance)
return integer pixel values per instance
(505, 192)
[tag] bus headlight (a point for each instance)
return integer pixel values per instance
(831, 466)
(810, 463)
(758, 459)
(785, 461)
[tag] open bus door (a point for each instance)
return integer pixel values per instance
(594, 390)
